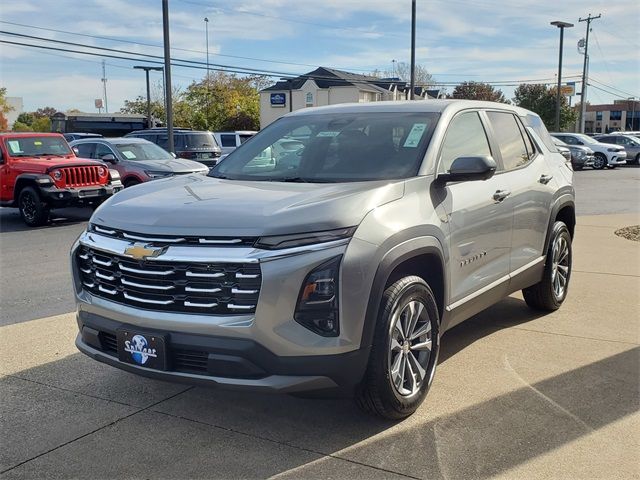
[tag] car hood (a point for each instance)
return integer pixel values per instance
(45, 164)
(578, 148)
(174, 165)
(602, 146)
(199, 205)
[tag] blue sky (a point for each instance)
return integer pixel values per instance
(457, 40)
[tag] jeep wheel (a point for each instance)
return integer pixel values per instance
(599, 161)
(34, 212)
(550, 292)
(404, 352)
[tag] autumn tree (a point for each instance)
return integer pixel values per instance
(4, 109)
(542, 100)
(402, 70)
(477, 91)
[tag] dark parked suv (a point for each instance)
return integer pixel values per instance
(197, 145)
(338, 264)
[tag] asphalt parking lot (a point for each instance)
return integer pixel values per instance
(516, 394)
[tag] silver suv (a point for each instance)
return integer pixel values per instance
(341, 264)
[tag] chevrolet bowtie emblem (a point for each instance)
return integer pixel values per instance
(140, 251)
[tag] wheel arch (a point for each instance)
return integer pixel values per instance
(564, 210)
(26, 180)
(421, 256)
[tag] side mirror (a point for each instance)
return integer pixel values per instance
(174, 155)
(465, 169)
(109, 157)
(76, 151)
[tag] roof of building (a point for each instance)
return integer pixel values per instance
(330, 77)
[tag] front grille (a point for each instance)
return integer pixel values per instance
(163, 240)
(109, 343)
(81, 176)
(203, 288)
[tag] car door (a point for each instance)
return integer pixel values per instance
(527, 176)
(479, 217)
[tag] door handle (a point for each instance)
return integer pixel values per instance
(500, 195)
(544, 179)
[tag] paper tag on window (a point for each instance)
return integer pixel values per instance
(415, 135)
(328, 134)
(130, 155)
(14, 146)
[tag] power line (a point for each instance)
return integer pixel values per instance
(607, 91)
(612, 87)
(228, 68)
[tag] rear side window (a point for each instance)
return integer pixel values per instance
(509, 138)
(465, 138)
(197, 140)
(85, 150)
(228, 140)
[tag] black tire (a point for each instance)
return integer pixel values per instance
(131, 182)
(599, 161)
(544, 295)
(33, 210)
(578, 168)
(377, 394)
(637, 160)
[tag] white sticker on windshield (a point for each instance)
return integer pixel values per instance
(14, 146)
(328, 134)
(413, 139)
(130, 155)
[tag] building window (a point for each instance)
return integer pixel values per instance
(598, 115)
(309, 99)
(615, 115)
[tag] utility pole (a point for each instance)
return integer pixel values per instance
(413, 49)
(583, 97)
(104, 87)
(167, 74)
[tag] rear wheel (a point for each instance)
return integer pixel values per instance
(550, 292)
(404, 352)
(599, 161)
(637, 160)
(33, 210)
(131, 182)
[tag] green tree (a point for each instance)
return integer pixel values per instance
(477, 91)
(41, 124)
(21, 127)
(542, 100)
(4, 109)
(26, 118)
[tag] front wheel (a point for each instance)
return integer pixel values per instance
(34, 212)
(599, 161)
(404, 352)
(551, 291)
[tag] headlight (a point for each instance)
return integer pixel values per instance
(152, 174)
(581, 154)
(612, 149)
(300, 239)
(102, 171)
(114, 174)
(317, 307)
(57, 175)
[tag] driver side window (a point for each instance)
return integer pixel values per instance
(465, 137)
(102, 150)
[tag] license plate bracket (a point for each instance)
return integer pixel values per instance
(142, 349)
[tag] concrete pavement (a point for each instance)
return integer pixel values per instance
(516, 395)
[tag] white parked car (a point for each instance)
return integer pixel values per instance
(605, 154)
(229, 141)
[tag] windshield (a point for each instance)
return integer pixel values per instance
(349, 147)
(559, 142)
(585, 138)
(199, 140)
(37, 146)
(143, 151)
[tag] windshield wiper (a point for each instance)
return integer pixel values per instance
(224, 177)
(290, 180)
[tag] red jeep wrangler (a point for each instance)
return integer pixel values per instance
(39, 171)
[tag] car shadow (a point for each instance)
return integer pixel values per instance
(10, 220)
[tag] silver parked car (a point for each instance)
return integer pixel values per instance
(579, 156)
(340, 264)
(630, 143)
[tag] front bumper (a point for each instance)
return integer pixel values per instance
(226, 362)
(59, 197)
(618, 159)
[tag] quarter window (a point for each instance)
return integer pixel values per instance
(465, 138)
(85, 150)
(102, 150)
(510, 142)
(228, 140)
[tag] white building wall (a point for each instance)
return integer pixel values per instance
(18, 107)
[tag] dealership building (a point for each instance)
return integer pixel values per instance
(327, 86)
(621, 115)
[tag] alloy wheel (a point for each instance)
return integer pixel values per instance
(410, 348)
(28, 207)
(560, 267)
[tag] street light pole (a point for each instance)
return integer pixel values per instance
(413, 49)
(206, 28)
(167, 74)
(583, 97)
(561, 26)
(146, 71)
